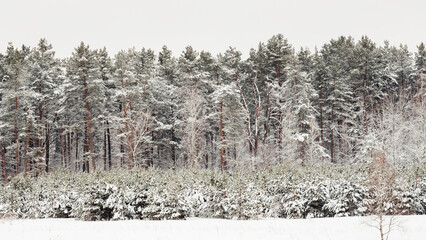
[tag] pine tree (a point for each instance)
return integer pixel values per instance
(108, 109)
(87, 88)
(3, 123)
(319, 83)
(208, 77)
(421, 72)
(14, 73)
(298, 93)
(43, 81)
(126, 79)
(278, 54)
(230, 106)
(386, 68)
(165, 98)
(259, 93)
(366, 77)
(421, 56)
(404, 71)
(340, 104)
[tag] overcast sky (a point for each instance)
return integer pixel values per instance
(207, 25)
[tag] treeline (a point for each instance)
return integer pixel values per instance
(341, 103)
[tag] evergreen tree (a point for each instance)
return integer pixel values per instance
(404, 71)
(421, 71)
(87, 90)
(230, 105)
(366, 77)
(209, 76)
(278, 54)
(421, 57)
(108, 109)
(319, 84)
(41, 94)
(340, 104)
(12, 113)
(298, 93)
(165, 98)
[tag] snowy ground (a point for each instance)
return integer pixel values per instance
(409, 227)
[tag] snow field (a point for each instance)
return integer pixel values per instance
(348, 228)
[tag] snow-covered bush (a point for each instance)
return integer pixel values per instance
(345, 198)
(288, 191)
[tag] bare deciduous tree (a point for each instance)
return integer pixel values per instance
(192, 127)
(381, 177)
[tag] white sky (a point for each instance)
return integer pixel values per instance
(206, 25)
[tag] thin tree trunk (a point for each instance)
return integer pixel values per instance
(222, 160)
(207, 152)
(127, 125)
(132, 142)
(109, 147)
(173, 147)
(61, 143)
(332, 121)
(16, 134)
(105, 151)
(3, 164)
(122, 155)
(77, 160)
(280, 115)
(321, 123)
(69, 148)
(257, 114)
(249, 137)
(364, 98)
(340, 122)
(40, 142)
(151, 152)
(332, 135)
(266, 124)
(47, 147)
(89, 125)
(27, 139)
(85, 151)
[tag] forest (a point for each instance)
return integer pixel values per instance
(347, 102)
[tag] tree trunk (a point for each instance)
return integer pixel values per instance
(85, 151)
(207, 152)
(105, 151)
(364, 98)
(127, 125)
(332, 134)
(61, 143)
(249, 137)
(47, 147)
(27, 139)
(77, 160)
(340, 122)
(321, 124)
(257, 114)
(280, 115)
(69, 149)
(266, 125)
(89, 125)
(122, 155)
(173, 147)
(16, 135)
(132, 140)
(40, 142)
(222, 160)
(109, 147)
(3, 164)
